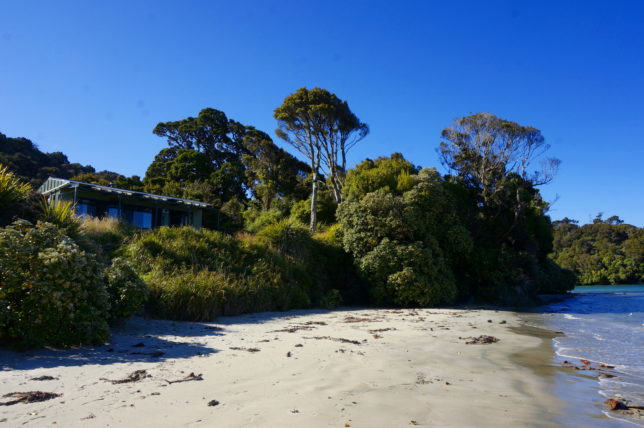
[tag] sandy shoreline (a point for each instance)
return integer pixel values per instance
(358, 368)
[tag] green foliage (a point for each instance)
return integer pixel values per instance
(500, 205)
(331, 236)
(51, 292)
(126, 289)
(17, 198)
(215, 159)
(63, 215)
(322, 127)
(271, 172)
(200, 274)
(230, 218)
(404, 244)
(330, 268)
(392, 174)
(191, 295)
(326, 207)
(12, 189)
(110, 179)
(257, 220)
(289, 238)
(604, 252)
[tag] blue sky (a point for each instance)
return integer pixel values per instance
(93, 78)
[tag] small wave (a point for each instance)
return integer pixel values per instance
(619, 418)
(571, 317)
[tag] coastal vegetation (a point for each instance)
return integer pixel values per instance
(286, 233)
(603, 252)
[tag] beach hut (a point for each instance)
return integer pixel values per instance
(143, 210)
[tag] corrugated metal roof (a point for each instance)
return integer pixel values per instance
(53, 184)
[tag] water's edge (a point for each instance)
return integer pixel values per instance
(591, 326)
(577, 394)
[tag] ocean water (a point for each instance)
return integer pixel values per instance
(604, 324)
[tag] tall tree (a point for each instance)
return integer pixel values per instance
(495, 155)
(205, 151)
(484, 148)
(321, 127)
(216, 159)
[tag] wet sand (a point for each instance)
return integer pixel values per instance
(581, 404)
(357, 368)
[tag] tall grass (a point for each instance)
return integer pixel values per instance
(197, 275)
(104, 236)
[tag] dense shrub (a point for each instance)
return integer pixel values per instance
(333, 277)
(391, 174)
(405, 243)
(289, 238)
(51, 292)
(257, 220)
(126, 289)
(196, 275)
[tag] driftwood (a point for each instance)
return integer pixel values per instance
(28, 397)
(188, 378)
(135, 376)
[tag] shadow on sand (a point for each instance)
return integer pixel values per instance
(137, 340)
(145, 340)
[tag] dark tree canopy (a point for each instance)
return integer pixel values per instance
(271, 171)
(24, 159)
(210, 133)
(216, 159)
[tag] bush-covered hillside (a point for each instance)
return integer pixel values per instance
(603, 252)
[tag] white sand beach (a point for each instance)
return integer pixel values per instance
(357, 368)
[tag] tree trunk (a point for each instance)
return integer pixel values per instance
(314, 203)
(336, 185)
